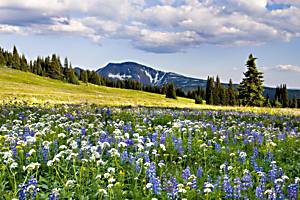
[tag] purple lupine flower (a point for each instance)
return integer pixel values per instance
(227, 188)
(137, 167)
(151, 171)
(124, 156)
(45, 153)
(174, 188)
(186, 173)
(247, 181)
(293, 191)
(237, 188)
(199, 172)
(217, 147)
(156, 185)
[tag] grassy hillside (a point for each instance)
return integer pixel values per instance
(25, 86)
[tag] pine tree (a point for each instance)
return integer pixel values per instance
(285, 96)
(83, 76)
(72, 78)
(15, 59)
(54, 70)
(2, 58)
(251, 87)
(231, 94)
(217, 92)
(23, 64)
(209, 90)
(95, 78)
(170, 91)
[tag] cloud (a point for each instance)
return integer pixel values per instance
(164, 26)
(290, 68)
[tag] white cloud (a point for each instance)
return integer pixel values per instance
(291, 68)
(167, 26)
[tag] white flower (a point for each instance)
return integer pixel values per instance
(111, 180)
(149, 185)
(103, 191)
(63, 147)
(110, 186)
(297, 179)
(70, 183)
(13, 165)
(31, 166)
(111, 170)
(161, 164)
(61, 135)
(122, 144)
(284, 177)
(114, 152)
(229, 167)
(278, 180)
(55, 192)
(106, 175)
(98, 176)
(31, 152)
(207, 190)
(162, 146)
(243, 154)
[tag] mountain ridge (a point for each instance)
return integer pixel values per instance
(147, 75)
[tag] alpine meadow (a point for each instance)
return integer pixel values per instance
(219, 118)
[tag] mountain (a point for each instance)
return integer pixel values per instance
(150, 76)
(147, 75)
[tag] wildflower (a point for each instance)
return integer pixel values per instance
(186, 173)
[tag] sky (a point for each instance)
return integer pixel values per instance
(197, 38)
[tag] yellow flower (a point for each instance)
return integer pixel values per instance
(121, 173)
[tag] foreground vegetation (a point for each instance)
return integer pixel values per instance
(77, 152)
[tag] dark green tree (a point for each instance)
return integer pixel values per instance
(15, 59)
(251, 87)
(170, 91)
(217, 92)
(209, 90)
(72, 77)
(54, 68)
(83, 76)
(231, 94)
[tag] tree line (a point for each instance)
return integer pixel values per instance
(52, 67)
(248, 93)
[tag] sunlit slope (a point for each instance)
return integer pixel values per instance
(25, 86)
(30, 87)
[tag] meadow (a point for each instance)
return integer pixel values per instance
(65, 141)
(86, 152)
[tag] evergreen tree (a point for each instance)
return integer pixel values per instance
(170, 91)
(2, 58)
(231, 94)
(83, 76)
(72, 77)
(209, 90)
(23, 64)
(251, 87)
(217, 92)
(15, 59)
(54, 68)
(95, 78)
(198, 99)
(285, 96)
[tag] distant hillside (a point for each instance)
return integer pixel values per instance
(19, 85)
(150, 76)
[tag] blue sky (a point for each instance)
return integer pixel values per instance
(192, 37)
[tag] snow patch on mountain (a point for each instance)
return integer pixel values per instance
(119, 76)
(149, 76)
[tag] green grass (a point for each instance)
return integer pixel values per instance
(24, 86)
